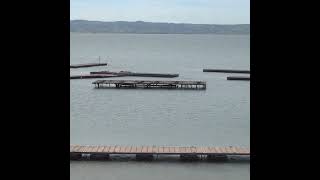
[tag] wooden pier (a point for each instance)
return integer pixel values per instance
(239, 78)
(150, 84)
(81, 152)
(128, 73)
(93, 76)
(87, 65)
(227, 71)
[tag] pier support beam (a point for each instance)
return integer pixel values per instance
(217, 158)
(189, 157)
(144, 157)
(99, 157)
(75, 156)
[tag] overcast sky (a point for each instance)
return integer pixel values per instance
(177, 11)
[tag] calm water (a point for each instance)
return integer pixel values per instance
(218, 116)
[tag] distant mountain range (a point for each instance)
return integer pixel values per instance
(140, 27)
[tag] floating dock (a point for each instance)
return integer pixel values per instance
(93, 76)
(87, 65)
(239, 78)
(127, 73)
(79, 152)
(150, 84)
(227, 71)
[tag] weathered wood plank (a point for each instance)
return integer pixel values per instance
(112, 149)
(161, 150)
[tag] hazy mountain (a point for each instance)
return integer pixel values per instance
(141, 27)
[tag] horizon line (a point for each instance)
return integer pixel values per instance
(159, 22)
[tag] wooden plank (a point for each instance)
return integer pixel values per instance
(224, 150)
(122, 148)
(215, 150)
(76, 149)
(234, 150)
(93, 149)
(171, 149)
(238, 150)
(198, 149)
(105, 149)
(96, 149)
(144, 149)
(247, 151)
(166, 150)
(127, 149)
(209, 150)
(241, 150)
(182, 150)
(220, 150)
(133, 149)
(161, 149)
(100, 149)
(228, 149)
(117, 149)
(111, 150)
(205, 150)
(188, 150)
(149, 149)
(193, 149)
(71, 148)
(84, 149)
(139, 149)
(155, 149)
(89, 149)
(80, 149)
(176, 149)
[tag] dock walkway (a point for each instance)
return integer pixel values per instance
(239, 78)
(77, 152)
(150, 84)
(88, 65)
(227, 71)
(128, 73)
(93, 76)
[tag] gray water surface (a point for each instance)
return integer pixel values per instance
(217, 116)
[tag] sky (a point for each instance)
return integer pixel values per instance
(174, 11)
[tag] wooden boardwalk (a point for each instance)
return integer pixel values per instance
(150, 84)
(230, 150)
(93, 76)
(239, 78)
(128, 73)
(88, 65)
(227, 71)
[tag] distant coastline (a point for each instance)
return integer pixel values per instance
(141, 27)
